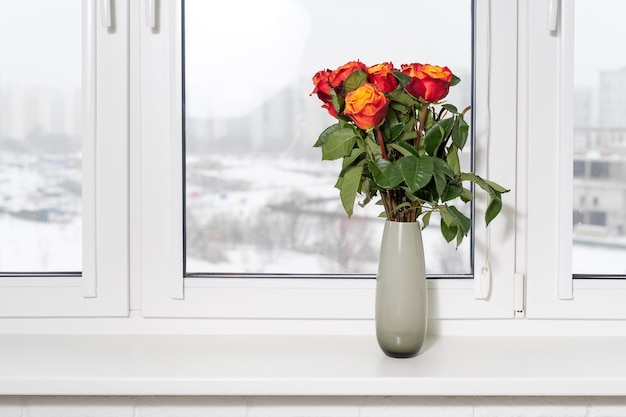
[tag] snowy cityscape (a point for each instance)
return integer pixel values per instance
(258, 197)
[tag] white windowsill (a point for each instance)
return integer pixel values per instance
(308, 365)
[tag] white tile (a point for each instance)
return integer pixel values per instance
(531, 407)
(10, 406)
(191, 407)
(417, 407)
(303, 407)
(607, 407)
(79, 406)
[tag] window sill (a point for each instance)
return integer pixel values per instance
(309, 365)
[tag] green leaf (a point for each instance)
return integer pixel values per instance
(433, 138)
(495, 194)
(395, 131)
(446, 216)
(391, 119)
(455, 80)
(354, 81)
(410, 135)
(339, 144)
(448, 232)
(452, 158)
(366, 190)
(440, 182)
(352, 158)
(462, 221)
(441, 174)
(386, 174)
(338, 183)
(349, 188)
(416, 172)
(441, 165)
(491, 187)
(337, 101)
(405, 148)
(402, 97)
(373, 147)
(324, 135)
(466, 195)
(495, 205)
(460, 131)
(402, 78)
(426, 220)
(451, 108)
(400, 109)
(496, 187)
(451, 192)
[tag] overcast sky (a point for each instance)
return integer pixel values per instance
(40, 42)
(40, 39)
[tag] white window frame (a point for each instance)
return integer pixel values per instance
(165, 293)
(140, 97)
(547, 82)
(102, 290)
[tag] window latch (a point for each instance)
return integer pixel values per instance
(151, 14)
(553, 15)
(105, 13)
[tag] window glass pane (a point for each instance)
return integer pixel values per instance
(599, 140)
(40, 136)
(258, 197)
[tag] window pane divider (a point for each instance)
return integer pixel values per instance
(565, 132)
(89, 150)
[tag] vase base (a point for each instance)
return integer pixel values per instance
(400, 355)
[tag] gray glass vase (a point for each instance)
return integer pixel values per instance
(401, 290)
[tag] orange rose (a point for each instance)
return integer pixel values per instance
(380, 75)
(366, 106)
(428, 82)
(338, 76)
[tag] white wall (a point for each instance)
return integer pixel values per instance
(12, 406)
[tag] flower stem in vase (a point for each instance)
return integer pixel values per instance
(381, 142)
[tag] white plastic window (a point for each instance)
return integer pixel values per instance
(165, 290)
(63, 166)
(573, 149)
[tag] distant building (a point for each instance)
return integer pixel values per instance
(600, 160)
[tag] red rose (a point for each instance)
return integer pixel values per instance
(381, 76)
(331, 109)
(428, 82)
(366, 106)
(322, 87)
(338, 76)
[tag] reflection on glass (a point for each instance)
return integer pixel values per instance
(40, 128)
(258, 197)
(599, 140)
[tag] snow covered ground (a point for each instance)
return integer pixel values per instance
(256, 215)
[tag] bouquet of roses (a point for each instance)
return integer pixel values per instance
(400, 142)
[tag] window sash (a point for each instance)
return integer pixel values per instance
(166, 293)
(101, 288)
(546, 62)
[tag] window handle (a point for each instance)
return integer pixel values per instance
(105, 13)
(151, 13)
(553, 15)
